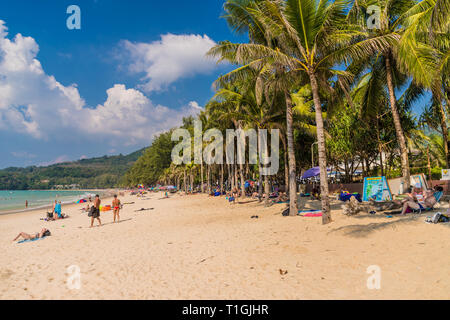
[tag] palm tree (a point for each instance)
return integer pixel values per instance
(297, 39)
(425, 53)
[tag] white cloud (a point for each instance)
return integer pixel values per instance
(60, 159)
(195, 106)
(172, 58)
(36, 104)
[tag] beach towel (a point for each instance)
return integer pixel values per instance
(310, 213)
(344, 196)
(31, 240)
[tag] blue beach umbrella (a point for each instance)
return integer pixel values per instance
(313, 172)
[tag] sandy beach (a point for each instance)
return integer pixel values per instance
(198, 247)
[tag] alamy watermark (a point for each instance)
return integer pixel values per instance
(374, 12)
(73, 281)
(212, 153)
(374, 280)
(74, 20)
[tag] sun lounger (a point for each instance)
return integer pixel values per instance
(438, 195)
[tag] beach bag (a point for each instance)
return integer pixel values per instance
(49, 215)
(91, 211)
(439, 217)
(285, 212)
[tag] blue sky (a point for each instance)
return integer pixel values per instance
(110, 49)
(133, 70)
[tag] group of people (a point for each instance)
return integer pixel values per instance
(419, 199)
(93, 212)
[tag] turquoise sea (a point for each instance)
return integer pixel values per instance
(15, 200)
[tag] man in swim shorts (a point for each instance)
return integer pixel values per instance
(96, 212)
(116, 208)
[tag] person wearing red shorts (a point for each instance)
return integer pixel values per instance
(116, 207)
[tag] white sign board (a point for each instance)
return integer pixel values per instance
(445, 174)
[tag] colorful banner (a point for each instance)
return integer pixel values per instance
(376, 188)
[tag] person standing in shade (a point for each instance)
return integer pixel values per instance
(26, 204)
(96, 211)
(116, 207)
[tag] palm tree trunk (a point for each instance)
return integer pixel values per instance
(444, 128)
(286, 166)
(201, 177)
(241, 166)
(184, 182)
(326, 214)
(260, 185)
(429, 164)
(229, 177)
(397, 124)
(236, 183)
(293, 210)
(208, 174)
(221, 179)
(380, 148)
(266, 189)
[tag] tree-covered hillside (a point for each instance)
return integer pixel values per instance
(102, 172)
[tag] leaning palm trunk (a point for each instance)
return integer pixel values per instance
(291, 154)
(397, 123)
(326, 214)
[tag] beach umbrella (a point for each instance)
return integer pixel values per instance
(313, 172)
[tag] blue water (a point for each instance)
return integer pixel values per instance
(15, 200)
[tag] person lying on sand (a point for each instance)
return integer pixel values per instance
(44, 233)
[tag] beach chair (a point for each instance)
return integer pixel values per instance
(438, 195)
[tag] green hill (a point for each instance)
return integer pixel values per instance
(102, 172)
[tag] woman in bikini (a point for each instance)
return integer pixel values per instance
(44, 233)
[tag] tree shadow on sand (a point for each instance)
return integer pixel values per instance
(363, 230)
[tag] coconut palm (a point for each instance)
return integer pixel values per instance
(301, 38)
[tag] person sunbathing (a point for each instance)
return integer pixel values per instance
(44, 233)
(281, 198)
(416, 203)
